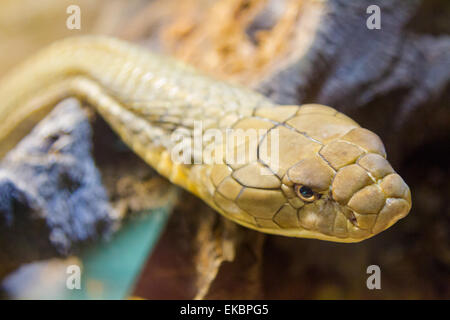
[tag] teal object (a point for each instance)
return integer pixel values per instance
(110, 269)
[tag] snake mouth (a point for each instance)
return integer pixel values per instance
(393, 210)
(371, 195)
(395, 206)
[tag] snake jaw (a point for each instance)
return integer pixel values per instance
(376, 195)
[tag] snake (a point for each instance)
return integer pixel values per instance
(329, 178)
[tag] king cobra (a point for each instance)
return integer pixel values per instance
(331, 180)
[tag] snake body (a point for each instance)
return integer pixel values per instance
(331, 180)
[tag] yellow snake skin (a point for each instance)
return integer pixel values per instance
(331, 180)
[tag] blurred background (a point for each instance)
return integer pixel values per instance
(394, 81)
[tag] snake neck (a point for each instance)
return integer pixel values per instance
(147, 99)
(144, 96)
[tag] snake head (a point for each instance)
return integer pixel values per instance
(354, 192)
(331, 182)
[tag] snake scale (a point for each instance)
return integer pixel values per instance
(331, 180)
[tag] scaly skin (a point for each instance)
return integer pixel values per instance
(146, 98)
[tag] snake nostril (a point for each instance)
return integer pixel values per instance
(353, 219)
(349, 214)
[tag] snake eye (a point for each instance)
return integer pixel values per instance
(305, 193)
